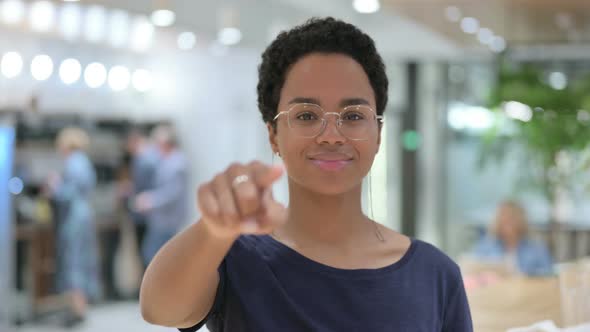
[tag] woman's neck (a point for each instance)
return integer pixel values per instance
(318, 219)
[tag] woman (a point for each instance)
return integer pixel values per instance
(77, 243)
(508, 243)
(250, 264)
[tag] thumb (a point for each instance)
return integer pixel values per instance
(274, 213)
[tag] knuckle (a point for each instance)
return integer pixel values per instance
(255, 164)
(218, 179)
(230, 217)
(233, 167)
(202, 189)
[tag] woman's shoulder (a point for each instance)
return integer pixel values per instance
(432, 254)
(425, 256)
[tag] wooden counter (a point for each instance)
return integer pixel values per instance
(515, 302)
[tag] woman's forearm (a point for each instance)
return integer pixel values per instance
(180, 284)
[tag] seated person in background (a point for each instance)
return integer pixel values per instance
(508, 243)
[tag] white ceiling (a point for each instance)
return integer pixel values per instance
(396, 36)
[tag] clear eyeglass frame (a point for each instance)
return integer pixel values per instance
(378, 118)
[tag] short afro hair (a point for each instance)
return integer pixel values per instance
(323, 35)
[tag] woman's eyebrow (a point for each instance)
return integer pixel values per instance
(345, 102)
(353, 101)
(306, 100)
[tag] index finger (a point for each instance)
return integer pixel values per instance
(264, 176)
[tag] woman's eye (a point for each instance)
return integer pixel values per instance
(352, 117)
(306, 116)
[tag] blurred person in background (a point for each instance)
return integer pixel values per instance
(144, 157)
(77, 275)
(166, 204)
(508, 243)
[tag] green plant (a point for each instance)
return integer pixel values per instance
(555, 135)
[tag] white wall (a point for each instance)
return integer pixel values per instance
(211, 99)
(217, 114)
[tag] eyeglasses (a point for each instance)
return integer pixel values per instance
(309, 120)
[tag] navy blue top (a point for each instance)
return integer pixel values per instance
(267, 286)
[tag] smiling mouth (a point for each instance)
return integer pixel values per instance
(331, 165)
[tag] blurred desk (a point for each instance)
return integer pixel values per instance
(515, 302)
(38, 243)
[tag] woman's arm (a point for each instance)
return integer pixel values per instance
(179, 286)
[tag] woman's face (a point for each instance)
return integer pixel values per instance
(508, 219)
(62, 149)
(328, 163)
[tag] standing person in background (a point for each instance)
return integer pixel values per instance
(144, 159)
(77, 239)
(508, 243)
(165, 204)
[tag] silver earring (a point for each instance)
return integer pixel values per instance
(378, 233)
(278, 154)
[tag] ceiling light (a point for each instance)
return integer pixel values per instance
(70, 20)
(41, 67)
(163, 17)
(118, 34)
(11, 64)
(69, 71)
(95, 75)
(469, 25)
(453, 14)
(94, 27)
(142, 33)
(42, 15)
(229, 36)
(12, 11)
(366, 6)
(498, 44)
(485, 36)
(186, 40)
(119, 78)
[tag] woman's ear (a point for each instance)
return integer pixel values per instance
(272, 137)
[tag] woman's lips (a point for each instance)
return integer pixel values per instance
(331, 165)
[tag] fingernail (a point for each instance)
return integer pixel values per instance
(249, 226)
